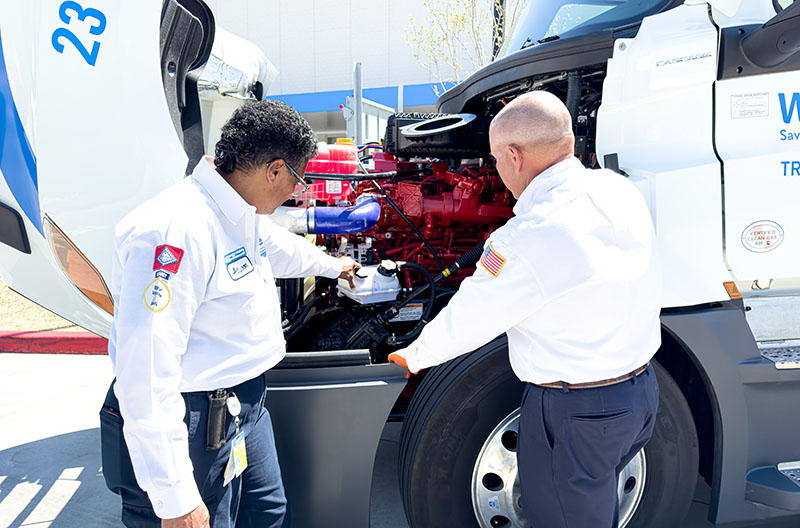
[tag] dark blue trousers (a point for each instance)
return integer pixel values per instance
(572, 446)
(255, 499)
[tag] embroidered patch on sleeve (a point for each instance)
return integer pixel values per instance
(168, 258)
(492, 261)
(157, 295)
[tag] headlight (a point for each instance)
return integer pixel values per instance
(78, 269)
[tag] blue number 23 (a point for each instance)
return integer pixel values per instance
(81, 14)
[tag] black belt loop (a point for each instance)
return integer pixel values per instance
(564, 386)
(633, 377)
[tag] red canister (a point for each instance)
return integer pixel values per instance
(340, 159)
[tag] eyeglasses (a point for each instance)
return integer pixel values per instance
(301, 187)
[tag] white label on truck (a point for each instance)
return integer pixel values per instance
(762, 236)
(409, 312)
(750, 105)
(333, 186)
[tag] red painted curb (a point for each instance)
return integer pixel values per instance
(53, 343)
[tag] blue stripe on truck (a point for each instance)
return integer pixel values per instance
(17, 161)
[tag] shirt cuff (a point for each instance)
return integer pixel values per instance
(333, 268)
(177, 500)
(413, 360)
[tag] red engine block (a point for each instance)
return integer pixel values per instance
(453, 210)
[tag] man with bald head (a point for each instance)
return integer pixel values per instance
(573, 279)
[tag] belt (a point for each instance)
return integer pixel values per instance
(595, 384)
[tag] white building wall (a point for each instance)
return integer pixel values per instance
(314, 43)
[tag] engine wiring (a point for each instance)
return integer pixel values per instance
(426, 315)
(410, 224)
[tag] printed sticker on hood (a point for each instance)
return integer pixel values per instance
(762, 236)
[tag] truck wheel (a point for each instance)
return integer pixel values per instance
(458, 464)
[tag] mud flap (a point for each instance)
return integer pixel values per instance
(328, 422)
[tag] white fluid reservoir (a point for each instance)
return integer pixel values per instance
(372, 286)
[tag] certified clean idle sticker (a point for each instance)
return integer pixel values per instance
(762, 236)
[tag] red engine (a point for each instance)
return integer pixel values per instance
(452, 210)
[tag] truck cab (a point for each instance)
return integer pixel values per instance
(694, 101)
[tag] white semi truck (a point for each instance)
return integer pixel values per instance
(104, 104)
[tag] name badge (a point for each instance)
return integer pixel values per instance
(238, 264)
(237, 460)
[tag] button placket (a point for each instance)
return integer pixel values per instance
(250, 233)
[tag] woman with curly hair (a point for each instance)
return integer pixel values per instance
(186, 439)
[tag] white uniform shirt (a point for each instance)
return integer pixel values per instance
(196, 309)
(573, 279)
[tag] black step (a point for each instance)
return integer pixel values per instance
(776, 486)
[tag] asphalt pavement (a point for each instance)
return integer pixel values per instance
(50, 471)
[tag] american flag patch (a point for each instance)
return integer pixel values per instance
(492, 261)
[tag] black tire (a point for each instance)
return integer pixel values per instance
(459, 404)
(672, 460)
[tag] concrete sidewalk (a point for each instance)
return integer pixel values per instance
(50, 471)
(50, 468)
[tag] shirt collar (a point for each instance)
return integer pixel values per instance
(230, 202)
(543, 183)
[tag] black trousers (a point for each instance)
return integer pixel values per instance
(255, 499)
(573, 445)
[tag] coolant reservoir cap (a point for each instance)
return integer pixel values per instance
(387, 268)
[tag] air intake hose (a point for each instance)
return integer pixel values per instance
(329, 220)
(341, 220)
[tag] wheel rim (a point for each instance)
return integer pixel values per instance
(495, 485)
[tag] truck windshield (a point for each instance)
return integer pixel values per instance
(544, 20)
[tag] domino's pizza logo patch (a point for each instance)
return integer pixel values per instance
(168, 258)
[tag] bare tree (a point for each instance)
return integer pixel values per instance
(458, 37)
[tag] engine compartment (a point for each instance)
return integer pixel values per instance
(428, 215)
(430, 195)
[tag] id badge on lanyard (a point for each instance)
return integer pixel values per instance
(237, 460)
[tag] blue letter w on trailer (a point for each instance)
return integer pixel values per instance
(787, 112)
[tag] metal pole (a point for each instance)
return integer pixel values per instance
(499, 32)
(400, 98)
(358, 100)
